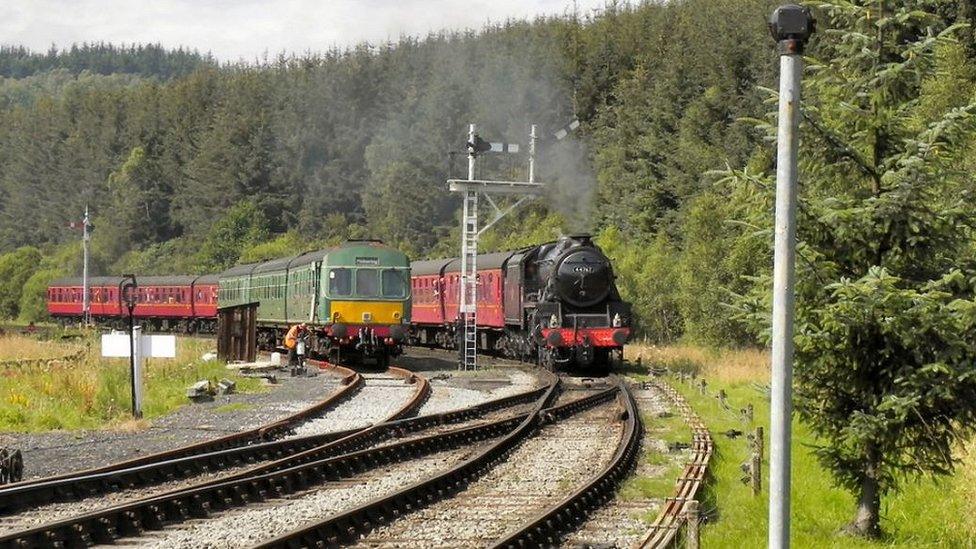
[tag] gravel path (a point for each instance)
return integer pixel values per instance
(379, 398)
(455, 390)
(622, 521)
(537, 474)
(59, 452)
(245, 527)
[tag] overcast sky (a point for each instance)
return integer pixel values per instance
(246, 29)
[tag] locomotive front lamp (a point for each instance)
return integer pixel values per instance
(791, 25)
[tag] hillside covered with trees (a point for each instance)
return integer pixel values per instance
(192, 166)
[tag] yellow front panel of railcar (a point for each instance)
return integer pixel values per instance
(366, 312)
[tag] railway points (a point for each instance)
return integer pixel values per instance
(357, 441)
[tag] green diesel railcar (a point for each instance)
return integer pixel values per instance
(355, 296)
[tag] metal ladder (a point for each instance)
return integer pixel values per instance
(469, 283)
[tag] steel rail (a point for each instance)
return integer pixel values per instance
(546, 528)
(671, 517)
(277, 477)
(347, 527)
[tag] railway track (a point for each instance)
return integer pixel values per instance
(274, 479)
(308, 487)
(548, 526)
(355, 525)
(670, 519)
(61, 497)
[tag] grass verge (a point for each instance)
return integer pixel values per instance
(929, 512)
(18, 347)
(95, 392)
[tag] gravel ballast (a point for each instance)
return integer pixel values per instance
(453, 391)
(537, 474)
(622, 522)
(379, 398)
(248, 526)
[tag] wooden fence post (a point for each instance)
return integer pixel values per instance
(757, 459)
(722, 399)
(691, 519)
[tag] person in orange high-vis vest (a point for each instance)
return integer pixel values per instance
(291, 342)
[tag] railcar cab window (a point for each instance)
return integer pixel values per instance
(340, 282)
(367, 283)
(394, 283)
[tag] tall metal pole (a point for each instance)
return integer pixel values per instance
(532, 138)
(86, 301)
(790, 25)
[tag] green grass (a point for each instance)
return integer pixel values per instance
(660, 486)
(95, 392)
(925, 513)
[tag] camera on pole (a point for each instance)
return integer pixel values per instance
(791, 26)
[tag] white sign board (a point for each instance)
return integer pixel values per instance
(115, 345)
(154, 346)
(158, 346)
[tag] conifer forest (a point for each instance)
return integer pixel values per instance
(191, 165)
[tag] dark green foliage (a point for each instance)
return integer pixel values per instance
(673, 117)
(33, 299)
(647, 276)
(887, 375)
(241, 227)
(15, 269)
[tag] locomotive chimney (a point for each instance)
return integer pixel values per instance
(582, 238)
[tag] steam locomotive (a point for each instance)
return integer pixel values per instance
(556, 303)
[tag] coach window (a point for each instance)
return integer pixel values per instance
(394, 284)
(367, 283)
(340, 282)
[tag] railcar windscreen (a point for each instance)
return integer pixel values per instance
(340, 282)
(394, 283)
(367, 283)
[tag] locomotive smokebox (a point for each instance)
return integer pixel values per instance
(581, 275)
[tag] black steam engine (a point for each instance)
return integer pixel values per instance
(578, 316)
(556, 303)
